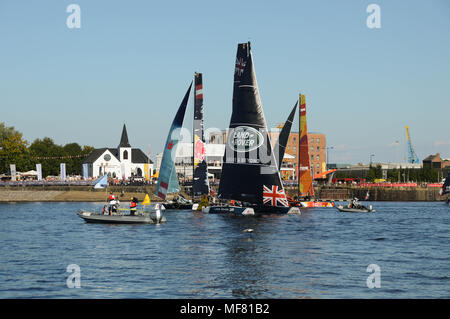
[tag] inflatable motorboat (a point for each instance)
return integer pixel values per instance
(152, 216)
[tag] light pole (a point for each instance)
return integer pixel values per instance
(372, 155)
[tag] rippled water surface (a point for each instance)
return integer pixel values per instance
(320, 254)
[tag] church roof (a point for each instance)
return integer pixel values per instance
(124, 139)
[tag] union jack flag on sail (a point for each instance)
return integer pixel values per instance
(274, 195)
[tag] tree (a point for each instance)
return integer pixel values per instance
(46, 152)
(13, 150)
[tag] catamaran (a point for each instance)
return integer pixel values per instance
(200, 182)
(305, 181)
(168, 179)
(446, 188)
(250, 171)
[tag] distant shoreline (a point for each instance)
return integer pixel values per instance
(73, 194)
(124, 194)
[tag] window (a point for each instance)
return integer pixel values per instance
(318, 149)
(107, 157)
(139, 172)
(312, 148)
(312, 157)
(318, 140)
(318, 165)
(318, 157)
(125, 154)
(294, 148)
(312, 141)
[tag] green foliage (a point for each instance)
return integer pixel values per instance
(15, 150)
(50, 156)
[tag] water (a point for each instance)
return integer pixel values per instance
(320, 254)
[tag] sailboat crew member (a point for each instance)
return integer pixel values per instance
(111, 197)
(133, 204)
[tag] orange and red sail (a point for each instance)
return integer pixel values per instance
(304, 170)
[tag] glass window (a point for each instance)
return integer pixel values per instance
(318, 157)
(312, 157)
(125, 154)
(318, 149)
(318, 140)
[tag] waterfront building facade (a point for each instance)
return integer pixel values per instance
(316, 152)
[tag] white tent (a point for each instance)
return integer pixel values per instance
(28, 174)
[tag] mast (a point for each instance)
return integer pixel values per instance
(200, 182)
(298, 158)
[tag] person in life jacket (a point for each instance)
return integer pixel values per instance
(133, 204)
(112, 202)
(111, 197)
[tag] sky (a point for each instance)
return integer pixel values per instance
(132, 61)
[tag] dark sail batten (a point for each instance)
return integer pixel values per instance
(284, 136)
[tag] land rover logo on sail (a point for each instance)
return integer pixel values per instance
(245, 139)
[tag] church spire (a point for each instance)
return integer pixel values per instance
(124, 139)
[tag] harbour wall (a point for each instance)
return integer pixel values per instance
(124, 193)
(74, 193)
(412, 194)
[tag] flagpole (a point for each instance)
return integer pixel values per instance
(298, 158)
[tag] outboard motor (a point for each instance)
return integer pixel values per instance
(370, 207)
(158, 215)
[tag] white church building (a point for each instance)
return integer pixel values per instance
(122, 162)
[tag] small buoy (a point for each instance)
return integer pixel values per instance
(248, 230)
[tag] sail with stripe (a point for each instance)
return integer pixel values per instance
(305, 179)
(167, 179)
(200, 182)
(250, 171)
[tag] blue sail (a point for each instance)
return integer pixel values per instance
(167, 179)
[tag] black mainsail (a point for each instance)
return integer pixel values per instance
(200, 182)
(280, 146)
(250, 171)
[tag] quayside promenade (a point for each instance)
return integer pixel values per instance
(66, 193)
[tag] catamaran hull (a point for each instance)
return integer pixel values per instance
(91, 217)
(177, 206)
(249, 211)
(316, 204)
(354, 210)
